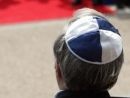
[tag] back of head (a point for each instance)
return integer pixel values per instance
(89, 52)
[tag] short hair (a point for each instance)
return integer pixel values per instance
(82, 76)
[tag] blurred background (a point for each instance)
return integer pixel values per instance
(28, 29)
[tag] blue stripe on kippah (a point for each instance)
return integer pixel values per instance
(85, 45)
(105, 25)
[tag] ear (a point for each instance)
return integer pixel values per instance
(59, 77)
(57, 70)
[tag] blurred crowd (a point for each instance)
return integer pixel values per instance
(122, 6)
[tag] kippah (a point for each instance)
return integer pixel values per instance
(94, 40)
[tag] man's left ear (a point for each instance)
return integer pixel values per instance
(59, 77)
(57, 69)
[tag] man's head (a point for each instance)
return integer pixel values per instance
(89, 53)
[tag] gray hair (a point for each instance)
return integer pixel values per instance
(79, 75)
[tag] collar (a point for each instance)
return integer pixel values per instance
(57, 93)
(72, 94)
